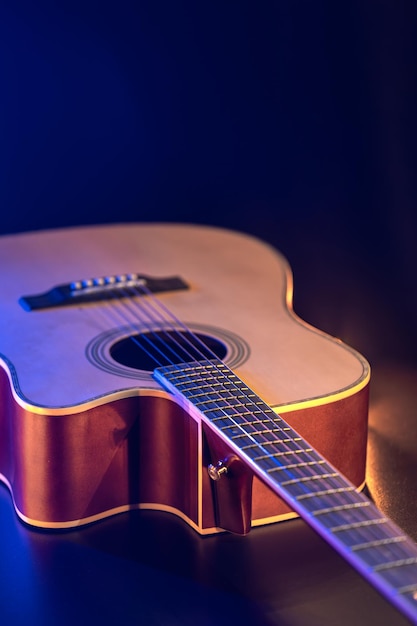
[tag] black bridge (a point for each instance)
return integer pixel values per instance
(101, 288)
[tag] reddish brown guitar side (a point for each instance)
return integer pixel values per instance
(83, 436)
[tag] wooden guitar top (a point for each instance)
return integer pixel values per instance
(240, 291)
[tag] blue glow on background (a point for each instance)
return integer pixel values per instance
(202, 112)
(294, 121)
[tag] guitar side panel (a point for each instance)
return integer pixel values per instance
(145, 452)
(69, 470)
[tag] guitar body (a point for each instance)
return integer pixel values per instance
(85, 432)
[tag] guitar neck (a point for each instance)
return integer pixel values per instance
(323, 497)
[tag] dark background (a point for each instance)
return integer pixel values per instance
(292, 120)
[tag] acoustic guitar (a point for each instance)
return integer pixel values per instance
(162, 366)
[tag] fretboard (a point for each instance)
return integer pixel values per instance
(310, 485)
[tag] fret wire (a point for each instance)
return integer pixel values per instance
(394, 554)
(224, 394)
(286, 458)
(256, 428)
(394, 564)
(252, 422)
(331, 501)
(360, 535)
(396, 576)
(232, 401)
(342, 507)
(285, 453)
(269, 463)
(252, 430)
(359, 531)
(293, 481)
(280, 468)
(258, 432)
(398, 539)
(326, 492)
(247, 446)
(362, 524)
(274, 442)
(298, 487)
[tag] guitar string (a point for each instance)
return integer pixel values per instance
(332, 481)
(168, 319)
(169, 328)
(152, 326)
(168, 316)
(153, 314)
(337, 497)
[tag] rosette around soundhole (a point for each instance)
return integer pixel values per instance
(134, 354)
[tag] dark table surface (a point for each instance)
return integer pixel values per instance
(150, 568)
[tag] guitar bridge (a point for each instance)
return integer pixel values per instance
(101, 288)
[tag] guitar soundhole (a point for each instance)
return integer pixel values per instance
(145, 351)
